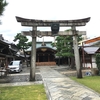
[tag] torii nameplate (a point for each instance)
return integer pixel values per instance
(46, 23)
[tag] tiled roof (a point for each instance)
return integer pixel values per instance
(10, 45)
(39, 45)
(91, 50)
(92, 43)
(92, 40)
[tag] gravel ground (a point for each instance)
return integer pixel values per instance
(23, 76)
(72, 72)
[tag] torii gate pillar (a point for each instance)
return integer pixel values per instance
(76, 53)
(33, 54)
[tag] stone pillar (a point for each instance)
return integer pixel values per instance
(33, 55)
(76, 53)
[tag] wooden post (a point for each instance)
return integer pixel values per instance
(83, 55)
(33, 55)
(76, 53)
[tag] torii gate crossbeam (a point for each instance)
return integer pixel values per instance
(49, 33)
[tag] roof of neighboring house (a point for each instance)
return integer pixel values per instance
(4, 43)
(92, 40)
(91, 50)
(92, 43)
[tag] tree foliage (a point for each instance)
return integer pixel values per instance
(64, 45)
(98, 61)
(22, 41)
(3, 4)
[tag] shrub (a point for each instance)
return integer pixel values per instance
(98, 61)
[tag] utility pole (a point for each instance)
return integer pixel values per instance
(76, 53)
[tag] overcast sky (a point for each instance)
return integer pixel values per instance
(50, 10)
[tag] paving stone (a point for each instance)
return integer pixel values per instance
(62, 87)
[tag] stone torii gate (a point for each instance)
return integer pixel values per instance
(45, 23)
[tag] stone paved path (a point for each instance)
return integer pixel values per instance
(60, 87)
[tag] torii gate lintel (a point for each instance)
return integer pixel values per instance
(62, 23)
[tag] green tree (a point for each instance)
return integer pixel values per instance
(22, 44)
(3, 4)
(98, 61)
(64, 45)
